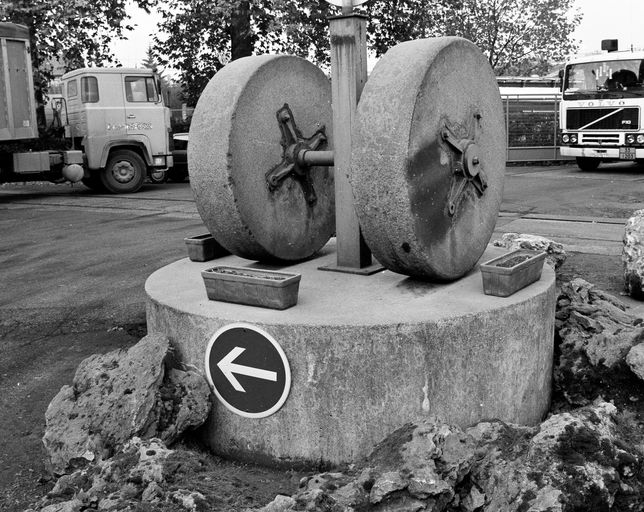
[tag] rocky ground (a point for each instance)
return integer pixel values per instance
(588, 455)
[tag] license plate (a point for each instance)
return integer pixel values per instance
(627, 153)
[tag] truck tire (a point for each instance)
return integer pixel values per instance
(587, 164)
(93, 182)
(157, 176)
(124, 172)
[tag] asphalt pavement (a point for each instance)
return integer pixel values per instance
(74, 264)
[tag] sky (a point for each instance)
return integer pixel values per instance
(610, 19)
(602, 19)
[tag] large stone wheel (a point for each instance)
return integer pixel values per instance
(235, 140)
(428, 158)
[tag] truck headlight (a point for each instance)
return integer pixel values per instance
(565, 138)
(640, 138)
(630, 139)
(573, 138)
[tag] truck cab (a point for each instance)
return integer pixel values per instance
(117, 117)
(601, 107)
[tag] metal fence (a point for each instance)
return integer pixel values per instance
(531, 122)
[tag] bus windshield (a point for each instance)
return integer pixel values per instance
(604, 79)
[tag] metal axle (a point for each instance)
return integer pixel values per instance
(312, 158)
(299, 155)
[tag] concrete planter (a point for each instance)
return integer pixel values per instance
(204, 248)
(507, 274)
(253, 287)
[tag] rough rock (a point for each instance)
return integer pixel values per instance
(281, 503)
(116, 483)
(192, 501)
(594, 333)
(633, 255)
(556, 255)
(117, 396)
(572, 461)
(635, 360)
(68, 506)
(147, 476)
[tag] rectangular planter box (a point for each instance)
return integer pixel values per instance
(204, 248)
(253, 287)
(502, 280)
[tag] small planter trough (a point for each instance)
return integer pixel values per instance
(509, 273)
(204, 248)
(253, 287)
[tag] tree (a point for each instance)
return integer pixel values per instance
(198, 37)
(73, 33)
(518, 36)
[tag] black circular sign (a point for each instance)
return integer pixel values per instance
(247, 370)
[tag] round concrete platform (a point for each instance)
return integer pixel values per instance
(369, 354)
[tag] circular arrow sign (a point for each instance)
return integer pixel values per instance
(248, 370)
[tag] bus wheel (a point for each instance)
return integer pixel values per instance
(124, 172)
(587, 164)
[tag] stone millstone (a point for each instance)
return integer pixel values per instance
(402, 171)
(235, 140)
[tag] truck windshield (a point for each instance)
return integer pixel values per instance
(604, 79)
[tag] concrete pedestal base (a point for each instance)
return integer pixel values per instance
(369, 354)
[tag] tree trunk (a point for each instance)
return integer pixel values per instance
(241, 36)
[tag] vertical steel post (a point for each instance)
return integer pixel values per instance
(348, 76)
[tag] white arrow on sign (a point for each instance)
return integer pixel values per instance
(228, 367)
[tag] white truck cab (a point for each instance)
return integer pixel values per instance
(117, 129)
(118, 117)
(601, 107)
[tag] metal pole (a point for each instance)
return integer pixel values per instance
(348, 76)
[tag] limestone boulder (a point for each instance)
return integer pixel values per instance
(594, 332)
(120, 395)
(635, 360)
(568, 462)
(633, 255)
(578, 460)
(556, 255)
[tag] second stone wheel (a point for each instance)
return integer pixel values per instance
(236, 144)
(428, 158)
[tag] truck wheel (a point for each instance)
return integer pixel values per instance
(124, 172)
(587, 164)
(93, 182)
(158, 176)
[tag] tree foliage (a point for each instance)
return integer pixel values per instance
(198, 37)
(518, 36)
(71, 33)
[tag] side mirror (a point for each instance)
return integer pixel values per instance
(157, 82)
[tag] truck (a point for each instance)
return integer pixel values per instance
(115, 129)
(600, 113)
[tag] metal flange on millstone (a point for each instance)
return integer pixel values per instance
(253, 121)
(428, 158)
